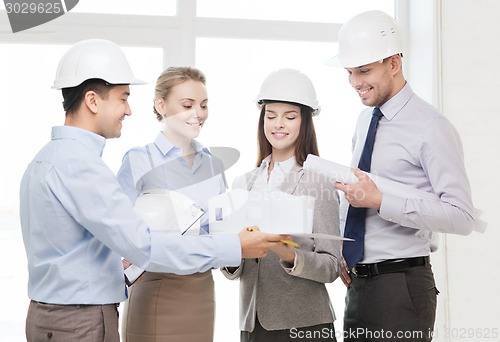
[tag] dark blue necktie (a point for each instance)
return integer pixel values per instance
(353, 251)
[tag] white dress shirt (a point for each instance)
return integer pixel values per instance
(266, 182)
(417, 146)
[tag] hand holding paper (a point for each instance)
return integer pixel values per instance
(285, 251)
(362, 194)
(344, 174)
(288, 240)
(255, 244)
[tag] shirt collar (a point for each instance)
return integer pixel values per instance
(397, 102)
(94, 142)
(166, 146)
(284, 166)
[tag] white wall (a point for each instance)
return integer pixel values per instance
(454, 54)
(470, 74)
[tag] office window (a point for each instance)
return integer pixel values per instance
(30, 107)
(327, 11)
(132, 7)
(235, 70)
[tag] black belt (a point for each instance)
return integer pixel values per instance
(77, 305)
(388, 266)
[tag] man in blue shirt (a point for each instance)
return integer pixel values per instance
(76, 221)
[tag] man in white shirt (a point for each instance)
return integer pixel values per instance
(391, 290)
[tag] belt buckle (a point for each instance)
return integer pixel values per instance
(358, 271)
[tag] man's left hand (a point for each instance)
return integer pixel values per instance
(363, 194)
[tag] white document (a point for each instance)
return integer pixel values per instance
(322, 236)
(132, 273)
(341, 173)
(275, 212)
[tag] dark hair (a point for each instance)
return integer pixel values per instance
(73, 96)
(306, 141)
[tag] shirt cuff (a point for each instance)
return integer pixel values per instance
(286, 265)
(228, 248)
(392, 208)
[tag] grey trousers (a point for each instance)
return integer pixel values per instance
(68, 323)
(391, 307)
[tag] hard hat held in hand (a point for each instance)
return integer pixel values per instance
(168, 211)
(367, 38)
(94, 58)
(289, 85)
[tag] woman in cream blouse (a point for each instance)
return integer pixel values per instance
(283, 296)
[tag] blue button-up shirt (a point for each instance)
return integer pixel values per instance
(77, 224)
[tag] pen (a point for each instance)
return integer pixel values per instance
(288, 242)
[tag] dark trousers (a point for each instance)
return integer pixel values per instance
(316, 333)
(65, 323)
(391, 307)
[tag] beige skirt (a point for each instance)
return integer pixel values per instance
(167, 307)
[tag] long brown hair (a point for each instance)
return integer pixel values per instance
(306, 141)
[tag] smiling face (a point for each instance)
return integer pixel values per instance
(377, 82)
(281, 128)
(184, 110)
(111, 111)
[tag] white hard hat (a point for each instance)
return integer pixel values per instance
(366, 38)
(168, 211)
(289, 85)
(94, 58)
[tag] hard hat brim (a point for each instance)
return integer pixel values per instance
(61, 84)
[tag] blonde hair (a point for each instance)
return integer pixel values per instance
(173, 76)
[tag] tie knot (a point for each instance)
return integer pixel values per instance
(377, 112)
